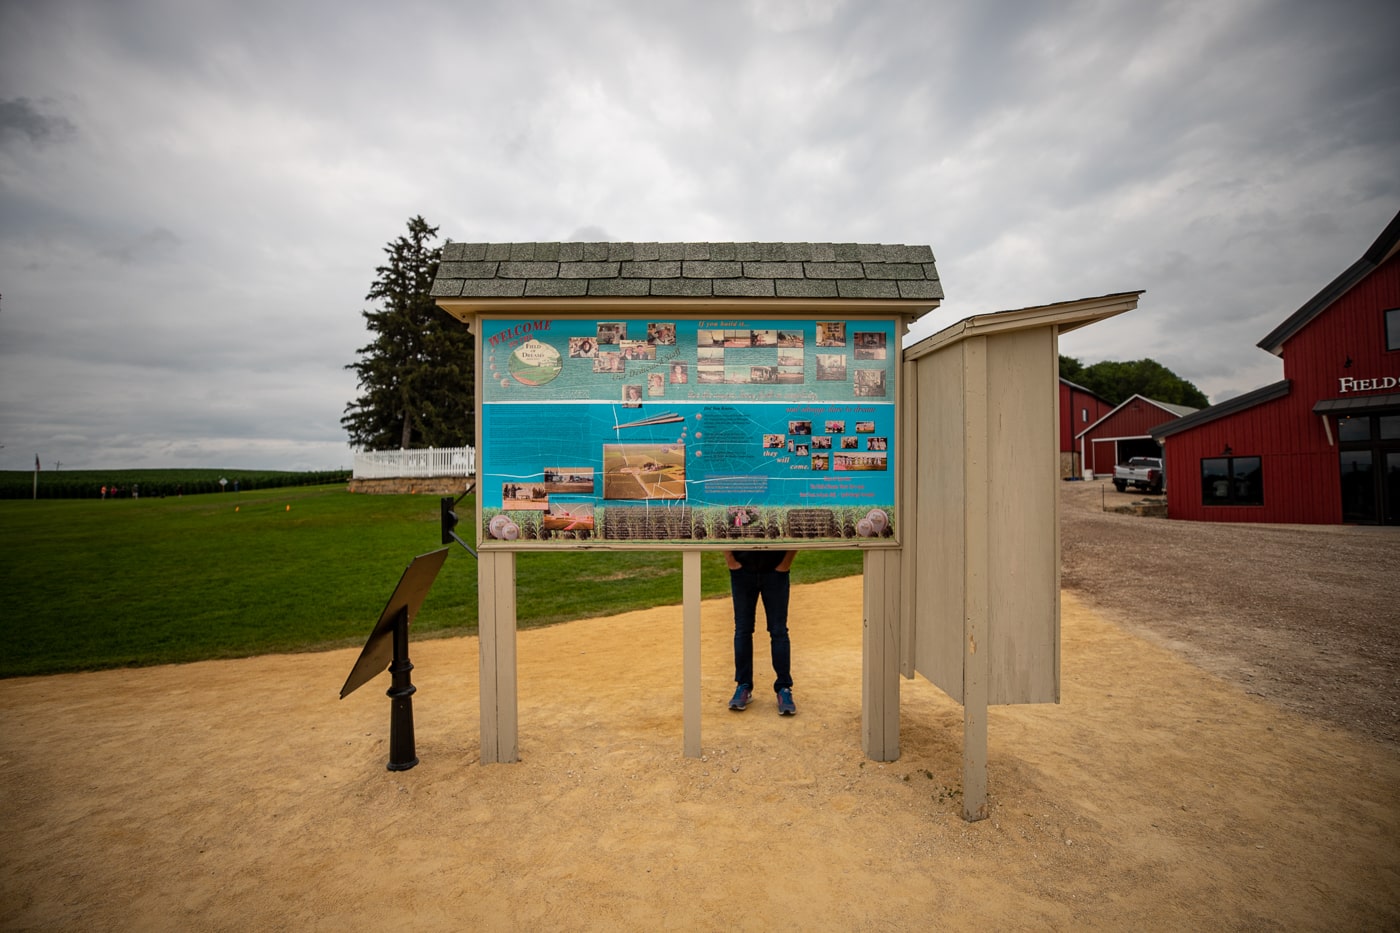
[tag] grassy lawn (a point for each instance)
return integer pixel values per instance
(94, 584)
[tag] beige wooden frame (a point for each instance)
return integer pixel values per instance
(969, 598)
(981, 556)
(496, 571)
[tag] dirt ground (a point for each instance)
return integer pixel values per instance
(1224, 757)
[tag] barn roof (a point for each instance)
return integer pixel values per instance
(1177, 411)
(862, 271)
(1228, 407)
(1079, 388)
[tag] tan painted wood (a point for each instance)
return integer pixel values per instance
(619, 308)
(966, 594)
(1022, 476)
(785, 544)
(474, 325)
(982, 549)
(691, 700)
(880, 656)
(937, 573)
(1063, 316)
(977, 569)
(908, 494)
(1053, 490)
(496, 646)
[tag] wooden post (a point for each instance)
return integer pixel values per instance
(908, 513)
(976, 577)
(879, 706)
(496, 640)
(690, 598)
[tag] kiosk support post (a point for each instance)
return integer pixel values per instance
(495, 576)
(690, 626)
(977, 576)
(879, 701)
(402, 754)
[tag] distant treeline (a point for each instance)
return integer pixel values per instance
(126, 484)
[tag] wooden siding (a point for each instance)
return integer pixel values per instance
(1023, 631)
(1300, 470)
(1073, 402)
(1301, 476)
(987, 589)
(941, 461)
(1353, 328)
(1136, 418)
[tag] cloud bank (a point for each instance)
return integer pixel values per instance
(193, 197)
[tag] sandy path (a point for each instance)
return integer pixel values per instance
(243, 795)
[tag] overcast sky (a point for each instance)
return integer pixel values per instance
(193, 196)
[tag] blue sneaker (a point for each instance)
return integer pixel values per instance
(742, 696)
(785, 705)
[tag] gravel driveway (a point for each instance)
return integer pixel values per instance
(1307, 616)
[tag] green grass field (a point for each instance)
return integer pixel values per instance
(92, 584)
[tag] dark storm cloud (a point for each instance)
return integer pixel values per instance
(22, 119)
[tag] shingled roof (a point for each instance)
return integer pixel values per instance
(688, 270)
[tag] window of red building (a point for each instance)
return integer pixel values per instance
(1232, 481)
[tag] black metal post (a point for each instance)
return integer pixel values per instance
(402, 755)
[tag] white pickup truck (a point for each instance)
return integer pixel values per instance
(1145, 473)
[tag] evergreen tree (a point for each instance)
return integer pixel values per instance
(416, 376)
(1115, 381)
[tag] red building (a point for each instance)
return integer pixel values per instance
(1079, 408)
(1126, 432)
(1322, 446)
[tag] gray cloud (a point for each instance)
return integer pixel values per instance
(22, 120)
(155, 244)
(193, 197)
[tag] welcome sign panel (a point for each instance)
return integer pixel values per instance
(687, 430)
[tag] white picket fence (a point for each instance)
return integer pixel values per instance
(434, 461)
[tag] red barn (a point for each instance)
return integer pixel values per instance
(1079, 408)
(1126, 432)
(1322, 446)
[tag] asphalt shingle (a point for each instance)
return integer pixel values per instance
(863, 271)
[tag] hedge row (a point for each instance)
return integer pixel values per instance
(125, 484)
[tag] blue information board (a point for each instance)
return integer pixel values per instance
(687, 429)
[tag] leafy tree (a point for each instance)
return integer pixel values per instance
(1071, 369)
(1116, 381)
(416, 375)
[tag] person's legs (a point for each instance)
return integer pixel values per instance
(744, 587)
(776, 589)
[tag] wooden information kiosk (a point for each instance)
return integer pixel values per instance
(707, 396)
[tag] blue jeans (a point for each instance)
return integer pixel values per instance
(747, 587)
